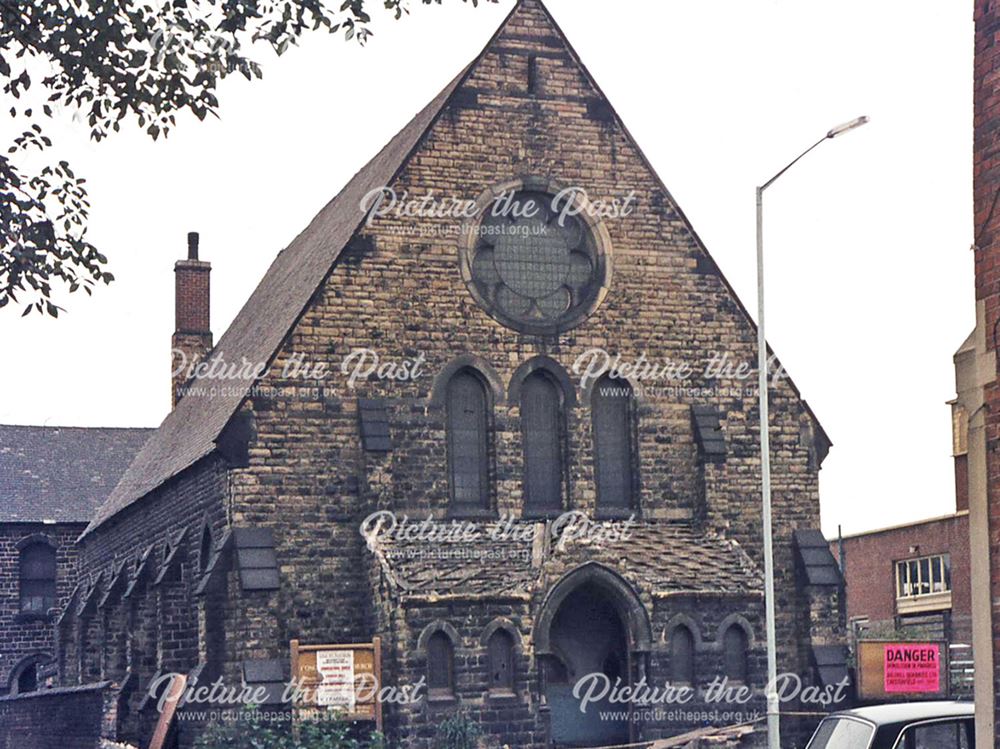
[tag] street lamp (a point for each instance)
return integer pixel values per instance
(773, 733)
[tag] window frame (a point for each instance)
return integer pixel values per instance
(447, 692)
(935, 564)
(507, 688)
(743, 654)
(630, 505)
(484, 507)
(530, 508)
(691, 662)
(47, 584)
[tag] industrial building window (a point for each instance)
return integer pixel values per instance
(38, 578)
(923, 576)
(734, 648)
(440, 665)
(501, 661)
(681, 656)
(468, 446)
(611, 414)
(541, 425)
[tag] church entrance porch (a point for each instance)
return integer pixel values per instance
(592, 628)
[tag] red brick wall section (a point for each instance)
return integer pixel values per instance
(871, 562)
(65, 718)
(191, 313)
(986, 195)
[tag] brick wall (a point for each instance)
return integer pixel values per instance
(64, 718)
(871, 558)
(986, 187)
(23, 636)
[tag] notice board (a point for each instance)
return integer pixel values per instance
(340, 677)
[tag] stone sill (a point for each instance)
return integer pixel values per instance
(928, 602)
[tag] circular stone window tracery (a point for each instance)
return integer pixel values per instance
(534, 258)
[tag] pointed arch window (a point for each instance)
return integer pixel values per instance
(611, 416)
(541, 426)
(440, 665)
(205, 550)
(467, 405)
(501, 662)
(734, 647)
(681, 656)
(37, 572)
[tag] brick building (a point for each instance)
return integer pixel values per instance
(914, 579)
(978, 387)
(236, 528)
(52, 480)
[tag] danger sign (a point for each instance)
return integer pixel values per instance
(912, 668)
(889, 669)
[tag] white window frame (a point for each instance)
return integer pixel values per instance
(905, 583)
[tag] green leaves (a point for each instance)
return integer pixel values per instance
(118, 62)
(43, 220)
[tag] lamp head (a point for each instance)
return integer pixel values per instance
(841, 129)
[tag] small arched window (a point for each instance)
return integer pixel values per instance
(734, 647)
(501, 661)
(37, 564)
(440, 665)
(541, 426)
(205, 550)
(468, 441)
(611, 416)
(681, 656)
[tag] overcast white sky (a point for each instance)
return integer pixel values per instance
(869, 268)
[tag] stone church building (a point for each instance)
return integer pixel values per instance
(544, 241)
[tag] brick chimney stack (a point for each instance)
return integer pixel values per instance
(192, 338)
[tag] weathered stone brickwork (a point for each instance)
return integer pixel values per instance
(526, 108)
(26, 637)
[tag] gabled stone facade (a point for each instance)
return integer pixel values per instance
(257, 499)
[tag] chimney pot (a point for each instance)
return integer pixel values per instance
(192, 245)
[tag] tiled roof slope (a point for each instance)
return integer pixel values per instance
(659, 557)
(61, 473)
(189, 431)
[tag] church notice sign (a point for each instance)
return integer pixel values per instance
(343, 678)
(890, 670)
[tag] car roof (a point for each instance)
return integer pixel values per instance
(904, 712)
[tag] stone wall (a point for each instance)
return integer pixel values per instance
(26, 635)
(525, 109)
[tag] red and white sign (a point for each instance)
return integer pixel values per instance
(912, 668)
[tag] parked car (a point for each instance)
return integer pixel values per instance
(904, 725)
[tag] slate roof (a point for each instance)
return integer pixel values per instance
(659, 557)
(61, 473)
(189, 432)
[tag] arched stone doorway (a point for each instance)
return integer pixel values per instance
(591, 623)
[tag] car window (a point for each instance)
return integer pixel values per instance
(947, 734)
(842, 733)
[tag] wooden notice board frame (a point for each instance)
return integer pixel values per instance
(306, 675)
(871, 670)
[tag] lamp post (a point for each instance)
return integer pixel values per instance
(773, 732)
